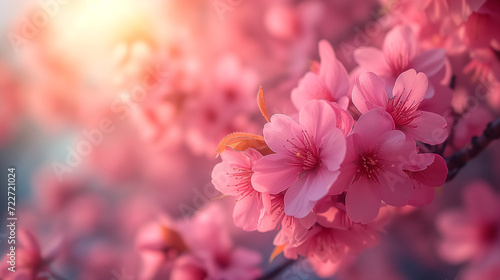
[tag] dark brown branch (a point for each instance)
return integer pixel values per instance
(478, 143)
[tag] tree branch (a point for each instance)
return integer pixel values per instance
(478, 143)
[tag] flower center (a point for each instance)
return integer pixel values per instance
(303, 152)
(368, 166)
(241, 180)
(400, 112)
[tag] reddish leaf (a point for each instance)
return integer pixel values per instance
(262, 104)
(277, 250)
(241, 141)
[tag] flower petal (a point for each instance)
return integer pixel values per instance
(332, 72)
(429, 128)
(430, 62)
(369, 92)
(302, 195)
(279, 130)
(247, 212)
(310, 87)
(410, 87)
(396, 187)
(370, 127)
(333, 149)
(372, 59)
(317, 118)
(363, 201)
(272, 174)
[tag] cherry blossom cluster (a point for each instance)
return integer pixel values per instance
(327, 176)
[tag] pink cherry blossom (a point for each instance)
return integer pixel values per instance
(232, 177)
(372, 170)
(403, 105)
(401, 53)
(307, 159)
(425, 177)
(331, 83)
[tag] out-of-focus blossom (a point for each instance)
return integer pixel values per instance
(199, 248)
(472, 233)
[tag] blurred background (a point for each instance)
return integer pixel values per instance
(111, 112)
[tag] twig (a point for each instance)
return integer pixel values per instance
(478, 143)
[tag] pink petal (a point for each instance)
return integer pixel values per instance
(317, 118)
(396, 147)
(400, 46)
(332, 72)
(344, 122)
(396, 187)
(221, 181)
(296, 202)
(308, 221)
(422, 195)
(369, 92)
(272, 174)
(429, 128)
(363, 201)
(370, 127)
(310, 87)
(347, 169)
(301, 197)
(333, 149)
(247, 211)
(279, 130)
(430, 62)
(372, 60)
(411, 87)
(435, 174)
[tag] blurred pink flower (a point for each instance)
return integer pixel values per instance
(199, 247)
(473, 233)
(307, 159)
(30, 263)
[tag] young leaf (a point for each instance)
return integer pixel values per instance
(277, 250)
(241, 141)
(261, 102)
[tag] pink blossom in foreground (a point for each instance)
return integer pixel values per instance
(307, 159)
(331, 83)
(403, 105)
(427, 175)
(232, 177)
(332, 238)
(372, 170)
